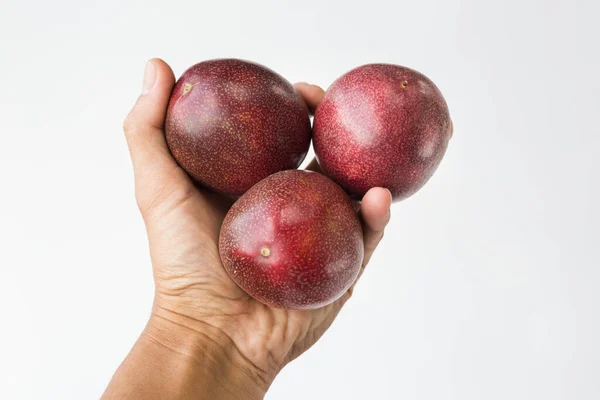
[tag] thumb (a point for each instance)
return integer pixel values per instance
(154, 167)
(144, 125)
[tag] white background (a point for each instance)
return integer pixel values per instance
(486, 285)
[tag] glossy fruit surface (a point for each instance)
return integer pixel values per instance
(231, 123)
(293, 241)
(381, 125)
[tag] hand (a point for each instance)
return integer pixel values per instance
(195, 298)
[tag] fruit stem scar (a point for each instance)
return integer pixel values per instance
(265, 252)
(187, 87)
(404, 84)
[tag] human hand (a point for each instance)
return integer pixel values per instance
(197, 307)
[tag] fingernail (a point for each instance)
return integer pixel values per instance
(149, 77)
(391, 197)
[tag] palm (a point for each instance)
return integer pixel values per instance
(197, 286)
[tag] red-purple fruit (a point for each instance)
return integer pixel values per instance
(293, 241)
(381, 125)
(231, 123)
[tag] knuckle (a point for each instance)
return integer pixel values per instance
(148, 200)
(152, 198)
(129, 125)
(349, 293)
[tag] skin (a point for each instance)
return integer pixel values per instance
(231, 123)
(382, 125)
(293, 241)
(206, 338)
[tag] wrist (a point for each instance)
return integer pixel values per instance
(200, 354)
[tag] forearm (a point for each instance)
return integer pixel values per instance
(170, 360)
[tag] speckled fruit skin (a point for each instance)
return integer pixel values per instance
(231, 123)
(381, 125)
(293, 241)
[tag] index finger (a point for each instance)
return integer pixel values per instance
(312, 95)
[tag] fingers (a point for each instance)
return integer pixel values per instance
(375, 213)
(314, 166)
(312, 95)
(156, 172)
